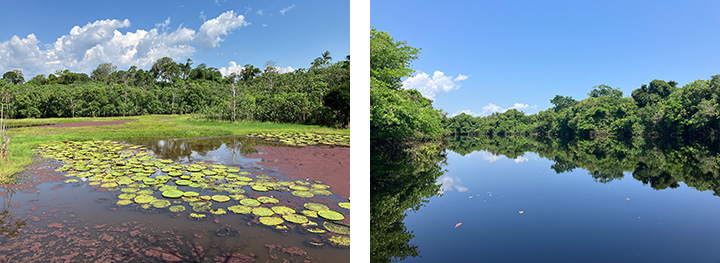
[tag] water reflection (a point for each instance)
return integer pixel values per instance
(402, 178)
(10, 224)
(228, 150)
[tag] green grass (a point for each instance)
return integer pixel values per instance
(152, 126)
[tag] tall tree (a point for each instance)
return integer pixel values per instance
(103, 72)
(14, 76)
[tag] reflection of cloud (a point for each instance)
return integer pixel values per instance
(491, 108)
(489, 157)
(522, 159)
(449, 183)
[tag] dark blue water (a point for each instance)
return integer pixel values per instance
(521, 210)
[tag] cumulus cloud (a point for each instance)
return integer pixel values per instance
(450, 183)
(430, 86)
(491, 158)
(233, 67)
(211, 32)
(284, 10)
(102, 41)
(492, 108)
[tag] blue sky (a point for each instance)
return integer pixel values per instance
(39, 36)
(485, 56)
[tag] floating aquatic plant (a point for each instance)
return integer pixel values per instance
(316, 207)
(345, 205)
(271, 220)
(262, 211)
(220, 198)
(250, 202)
(283, 210)
(240, 209)
(331, 215)
(267, 200)
(295, 218)
(177, 208)
(336, 228)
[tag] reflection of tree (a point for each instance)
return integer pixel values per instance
(183, 148)
(9, 225)
(401, 178)
(661, 164)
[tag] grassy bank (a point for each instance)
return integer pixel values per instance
(153, 126)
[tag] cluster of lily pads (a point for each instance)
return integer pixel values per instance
(145, 180)
(304, 139)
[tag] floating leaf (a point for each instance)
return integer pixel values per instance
(126, 196)
(220, 198)
(271, 220)
(316, 207)
(262, 211)
(124, 202)
(143, 199)
(345, 205)
(267, 200)
(283, 210)
(173, 194)
(177, 208)
(331, 215)
(250, 202)
(295, 218)
(303, 194)
(337, 228)
(161, 203)
(240, 209)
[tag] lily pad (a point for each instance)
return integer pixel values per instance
(220, 198)
(124, 202)
(283, 210)
(173, 194)
(345, 205)
(177, 208)
(316, 207)
(267, 200)
(260, 188)
(161, 203)
(295, 218)
(303, 194)
(240, 209)
(262, 211)
(250, 202)
(271, 220)
(337, 228)
(126, 196)
(191, 194)
(331, 215)
(144, 199)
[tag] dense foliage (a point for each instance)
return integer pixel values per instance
(402, 179)
(660, 163)
(397, 114)
(318, 95)
(659, 109)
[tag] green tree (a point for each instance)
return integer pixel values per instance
(14, 76)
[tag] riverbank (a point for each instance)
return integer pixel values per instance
(151, 126)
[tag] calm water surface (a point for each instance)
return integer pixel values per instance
(489, 207)
(77, 222)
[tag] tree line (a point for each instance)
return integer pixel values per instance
(658, 109)
(317, 95)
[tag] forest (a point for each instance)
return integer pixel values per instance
(659, 110)
(316, 95)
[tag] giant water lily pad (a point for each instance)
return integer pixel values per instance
(183, 182)
(283, 210)
(271, 220)
(262, 211)
(126, 196)
(303, 194)
(295, 218)
(339, 241)
(337, 228)
(267, 200)
(177, 208)
(220, 198)
(124, 202)
(316, 207)
(144, 199)
(161, 203)
(345, 205)
(260, 188)
(240, 209)
(173, 194)
(250, 202)
(331, 215)
(191, 194)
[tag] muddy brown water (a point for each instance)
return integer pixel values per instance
(48, 220)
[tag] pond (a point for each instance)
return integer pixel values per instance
(522, 200)
(173, 200)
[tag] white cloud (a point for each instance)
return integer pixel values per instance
(102, 41)
(468, 112)
(450, 183)
(211, 31)
(429, 86)
(491, 108)
(260, 12)
(282, 11)
(233, 67)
